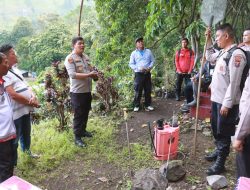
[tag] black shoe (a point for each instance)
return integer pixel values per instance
(87, 134)
(211, 157)
(192, 104)
(184, 109)
(80, 143)
(218, 167)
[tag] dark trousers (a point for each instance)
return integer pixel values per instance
(81, 104)
(243, 160)
(6, 160)
(223, 128)
(188, 92)
(179, 80)
(23, 130)
(142, 82)
(191, 89)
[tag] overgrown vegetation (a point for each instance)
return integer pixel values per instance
(62, 149)
(109, 30)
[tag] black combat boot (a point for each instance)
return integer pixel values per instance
(212, 156)
(79, 142)
(218, 167)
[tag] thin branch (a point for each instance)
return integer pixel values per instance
(166, 33)
(79, 21)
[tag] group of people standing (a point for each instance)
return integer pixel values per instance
(225, 69)
(17, 100)
(228, 72)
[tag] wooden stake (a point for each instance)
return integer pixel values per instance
(199, 88)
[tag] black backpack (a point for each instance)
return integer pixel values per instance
(246, 68)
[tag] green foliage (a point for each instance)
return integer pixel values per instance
(121, 23)
(51, 45)
(4, 37)
(22, 28)
(102, 147)
(60, 146)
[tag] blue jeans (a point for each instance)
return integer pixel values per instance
(23, 130)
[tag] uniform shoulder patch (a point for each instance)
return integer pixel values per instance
(237, 60)
(70, 60)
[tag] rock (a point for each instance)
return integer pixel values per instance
(169, 188)
(149, 179)
(174, 171)
(217, 181)
(206, 132)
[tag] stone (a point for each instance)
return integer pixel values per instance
(174, 171)
(217, 181)
(149, 179)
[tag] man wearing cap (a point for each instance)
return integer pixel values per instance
(142, 61)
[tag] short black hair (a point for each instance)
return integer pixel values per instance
(2, 55)
(76, 39)
(247, 29)
(227, 28)
(185, 40)
(6, 48)
(138, 39)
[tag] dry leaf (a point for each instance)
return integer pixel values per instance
(103, 179)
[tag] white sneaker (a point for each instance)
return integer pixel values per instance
(149, 108)
(136, 109)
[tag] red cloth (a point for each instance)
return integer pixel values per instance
(1, 80)
(184, 63)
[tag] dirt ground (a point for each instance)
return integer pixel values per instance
(72, 175)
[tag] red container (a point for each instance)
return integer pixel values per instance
(166, 142)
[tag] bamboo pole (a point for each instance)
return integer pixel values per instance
(199, 88)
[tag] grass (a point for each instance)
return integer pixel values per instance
(57, 148)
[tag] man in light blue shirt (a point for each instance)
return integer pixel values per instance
(142, 61)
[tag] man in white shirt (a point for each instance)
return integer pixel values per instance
(7, 127)
(23, 100)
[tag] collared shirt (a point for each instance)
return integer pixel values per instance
(225, 85)
(141, 60)
(15, 79)
(7, 127)
(78, 64)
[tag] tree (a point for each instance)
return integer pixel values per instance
(53, 44)
(22, 28)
